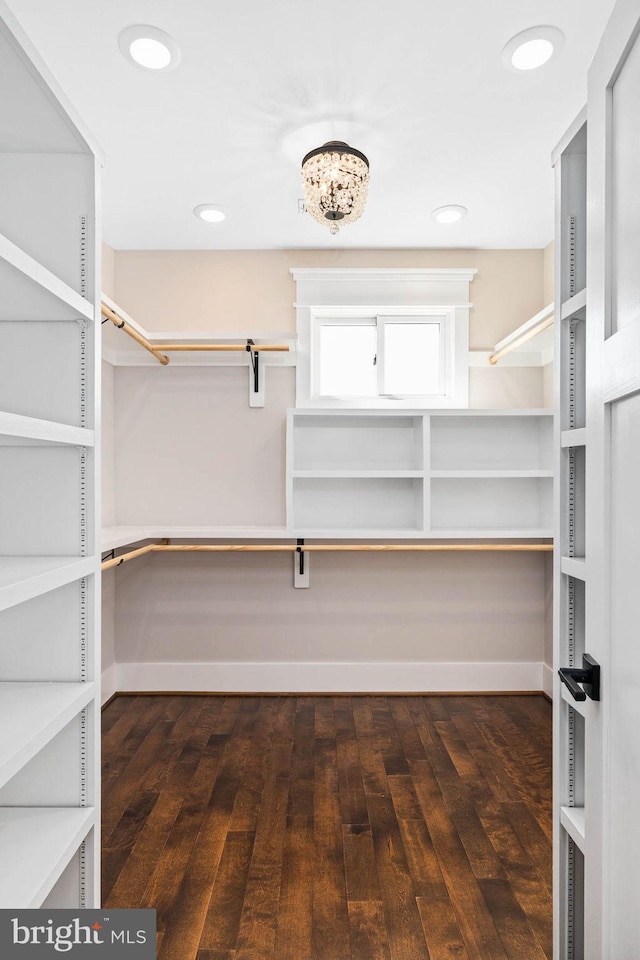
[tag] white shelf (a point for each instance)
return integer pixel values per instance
(22, 578)
(16, 266)
(31, 714)
(43, 431)
(574, 567)
(491, 533)
(574, 305)
(578, 705)
(36, 844)
(574, 438)
(480, 474)
(435, 534)
(573, 821)
(114, 537)
(352, 474)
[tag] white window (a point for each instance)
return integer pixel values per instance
(382, 338)
(380, 356)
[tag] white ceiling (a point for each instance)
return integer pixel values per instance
(418, 85)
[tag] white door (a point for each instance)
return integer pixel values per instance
(612, 733)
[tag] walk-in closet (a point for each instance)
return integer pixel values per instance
(319, 352)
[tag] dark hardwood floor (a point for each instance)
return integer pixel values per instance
(320, 828)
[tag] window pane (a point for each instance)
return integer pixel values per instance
(346, 360)
(412, 359)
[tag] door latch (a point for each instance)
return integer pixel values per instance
(582, 683)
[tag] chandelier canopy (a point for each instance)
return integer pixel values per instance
(336, 181)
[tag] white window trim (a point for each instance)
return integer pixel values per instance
(442, 317)
(394, 294)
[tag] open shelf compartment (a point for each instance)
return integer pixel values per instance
(358, 504)
(32, 714)
(492, 504)
(353, 442)
(492, 443)
(38, 843)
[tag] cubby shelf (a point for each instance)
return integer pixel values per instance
(573, 821)
(22, 578)
(38, 843)
(454, 473)
(31, 714)
(17, 428)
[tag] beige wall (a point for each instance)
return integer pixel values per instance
(189, 450)
(359, 608)
(253, 290)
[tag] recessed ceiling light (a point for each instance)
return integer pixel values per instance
(209, 212)
(449, 214)
(532, 48)
(149, 48)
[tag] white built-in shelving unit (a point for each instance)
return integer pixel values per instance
(49, 588)
(570, 563)
(453, 473)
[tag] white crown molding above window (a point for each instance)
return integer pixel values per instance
(372, 274)
(381, 288)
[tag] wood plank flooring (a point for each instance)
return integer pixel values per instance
(332, 828)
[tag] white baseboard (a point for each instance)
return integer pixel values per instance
(109, 682)
(547, 680)
(288, 677)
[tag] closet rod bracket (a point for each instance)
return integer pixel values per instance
(300, 566)
(256, 382)
(254, 356)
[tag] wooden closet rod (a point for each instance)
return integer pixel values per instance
(123, 325)
(211, 347)
(528, 335)
(327, 548)
(156, 348)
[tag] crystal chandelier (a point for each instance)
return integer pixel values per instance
(336, 181)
